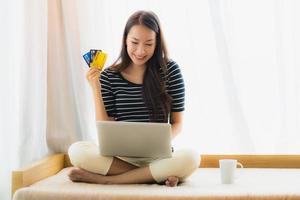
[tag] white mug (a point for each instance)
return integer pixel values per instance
(227, 170)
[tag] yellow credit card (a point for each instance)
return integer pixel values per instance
(99, 60)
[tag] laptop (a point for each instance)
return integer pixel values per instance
(134, 139)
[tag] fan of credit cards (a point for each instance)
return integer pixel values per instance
(95, 58)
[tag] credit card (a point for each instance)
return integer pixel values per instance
(87, 58)
(99, 60)
(93, 53)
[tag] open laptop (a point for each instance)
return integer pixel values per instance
(134, 139)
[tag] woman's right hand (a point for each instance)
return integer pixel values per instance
(93, 78)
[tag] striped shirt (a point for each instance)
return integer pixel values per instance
(123, 99)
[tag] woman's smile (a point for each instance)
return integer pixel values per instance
(140, 57)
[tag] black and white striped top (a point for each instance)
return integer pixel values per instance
(123, 99)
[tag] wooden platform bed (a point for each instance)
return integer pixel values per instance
(263, 177)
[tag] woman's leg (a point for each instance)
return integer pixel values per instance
(85, 155)
(182, 164)
(168, 171)
(91, 167)
(120, 172)
(119, 166)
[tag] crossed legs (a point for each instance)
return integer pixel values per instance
(93, 168)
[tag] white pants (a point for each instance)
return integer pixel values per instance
(183, 163)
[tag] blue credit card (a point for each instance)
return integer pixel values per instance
(87, 58)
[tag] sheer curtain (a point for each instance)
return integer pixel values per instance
(240, 61)
(23, 67)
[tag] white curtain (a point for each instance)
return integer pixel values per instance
(240, 61)
(23, 77)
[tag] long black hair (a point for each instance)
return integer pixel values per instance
(156, 98)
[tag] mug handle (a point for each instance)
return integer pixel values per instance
(239, 164)
(237, 176)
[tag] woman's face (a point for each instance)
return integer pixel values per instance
(140, 44)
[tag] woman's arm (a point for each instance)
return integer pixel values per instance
(101, 114)
(93, 78)
(176, 123)
(176, 90)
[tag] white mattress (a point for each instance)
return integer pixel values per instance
(203, 184)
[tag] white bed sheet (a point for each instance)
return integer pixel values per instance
(203, 184)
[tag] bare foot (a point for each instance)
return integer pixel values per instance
(172, 181)
(80, 175)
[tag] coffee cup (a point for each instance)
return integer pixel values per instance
(228, 170)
